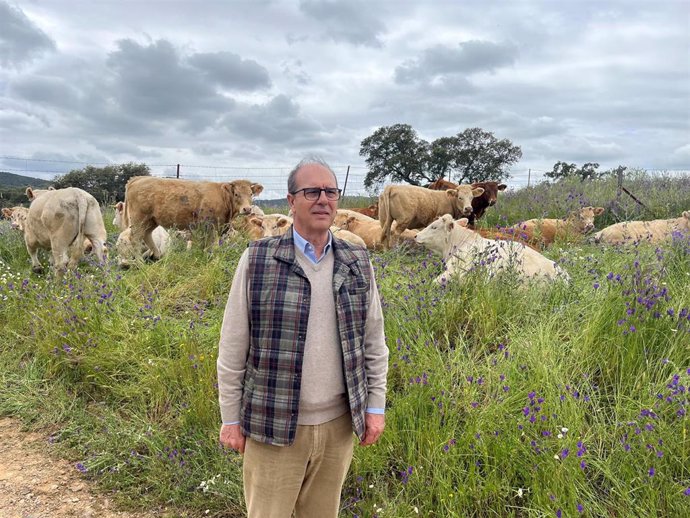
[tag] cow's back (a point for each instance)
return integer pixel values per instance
(417, 206)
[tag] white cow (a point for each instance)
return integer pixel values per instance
(653, 231)
(465, 250)
(59, 220)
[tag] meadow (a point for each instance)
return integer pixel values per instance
(567, 400)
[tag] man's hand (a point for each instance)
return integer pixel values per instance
(231, 437)
(373, 428)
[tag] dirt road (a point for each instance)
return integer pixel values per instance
(34, 484)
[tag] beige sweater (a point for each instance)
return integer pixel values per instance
(323, 395)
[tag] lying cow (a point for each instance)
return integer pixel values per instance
(17, 216)
(370, 232)
(415, 207)
(653, 231)
(127, 253)
(464, 250)
(59, 220)
(278, 224)
(545, 231)
(372, 210)
(183, 204)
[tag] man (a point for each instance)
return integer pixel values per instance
(302, 357)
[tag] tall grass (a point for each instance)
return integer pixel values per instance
(503, 401)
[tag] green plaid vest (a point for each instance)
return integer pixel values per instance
(279, 299)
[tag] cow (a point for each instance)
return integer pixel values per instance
(370, 231)
(415, 207)
(479, 203)
(653, 231)
(505, 234)
(127, 253)
(182, 204)
(372, 210)
(17, 216)
(465, 250)
(342, 215)
(545, 231)
(159, 236)
(60, 219)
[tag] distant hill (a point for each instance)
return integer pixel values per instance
(17, 180)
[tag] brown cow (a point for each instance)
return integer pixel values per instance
(151, 201)
(546, 231)
(479, 203)
(415, 207)
(372, 210)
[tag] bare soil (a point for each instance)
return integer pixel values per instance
(35, 484)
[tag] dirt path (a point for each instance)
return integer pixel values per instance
(33, 484)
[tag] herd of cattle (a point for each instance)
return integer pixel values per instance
(440, 217)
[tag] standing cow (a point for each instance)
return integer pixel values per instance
(182, 204)
(479, 203)
(59, 220)
(415, 207)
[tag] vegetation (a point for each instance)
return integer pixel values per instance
(106, 184)
(13, 187)
(397, 154)
(566, 400)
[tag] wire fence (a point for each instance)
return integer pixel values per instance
(274, 179)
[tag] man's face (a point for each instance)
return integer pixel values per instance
(313, 217)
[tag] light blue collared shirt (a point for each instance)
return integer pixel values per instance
(308, 249)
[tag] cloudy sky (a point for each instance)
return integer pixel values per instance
(261, 83)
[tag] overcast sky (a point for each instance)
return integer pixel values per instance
(261, 83)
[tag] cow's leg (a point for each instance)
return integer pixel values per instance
(396, 231)
(141, 236)
(148, 239)
(32, 248)
(61, 257)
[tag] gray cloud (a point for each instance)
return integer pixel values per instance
(467, 58)
(346, 20)
(20, 39)
(231, 71)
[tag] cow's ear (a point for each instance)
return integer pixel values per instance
(257, 188)
(477, 191)
(686, 214)
(6, 212)
(502, 187)
(120, 206)
(598, 211)
(463, 222)
(282, 222)
(452, 193)
(254, 220)
(29, 193)
(350, 219)
(51, 188)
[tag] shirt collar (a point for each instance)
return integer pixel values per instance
(307, 248)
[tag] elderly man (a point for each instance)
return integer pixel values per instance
(302, 358)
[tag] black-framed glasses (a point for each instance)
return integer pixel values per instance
(314, 193)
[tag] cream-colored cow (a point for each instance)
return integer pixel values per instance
(278, 224)
(653, 231)
(465, 250)
(415, 207)
(60, 219)
(17, 216)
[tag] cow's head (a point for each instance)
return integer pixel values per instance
(490, 191)
(462, 198)
(583, 220)
(17, 217)
(241, 193)
(118, 220)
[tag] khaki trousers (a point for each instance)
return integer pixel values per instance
(305, 478)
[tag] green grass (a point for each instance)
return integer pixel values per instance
(119, 367)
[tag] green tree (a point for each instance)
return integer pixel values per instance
(106, 184)
(474, 155)
(563, 170)
(396, 152)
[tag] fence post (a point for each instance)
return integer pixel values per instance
(178, 171)
(347, 174)
(529, 176)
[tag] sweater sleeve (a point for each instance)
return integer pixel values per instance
(376, 351)
(234, 345)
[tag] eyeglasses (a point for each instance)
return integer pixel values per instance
(314, 193)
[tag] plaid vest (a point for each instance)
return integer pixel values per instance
(279, 299)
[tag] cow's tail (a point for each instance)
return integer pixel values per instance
(385, 218)
(77, 244)
(125, 211)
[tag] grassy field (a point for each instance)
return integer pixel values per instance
(561, 401)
